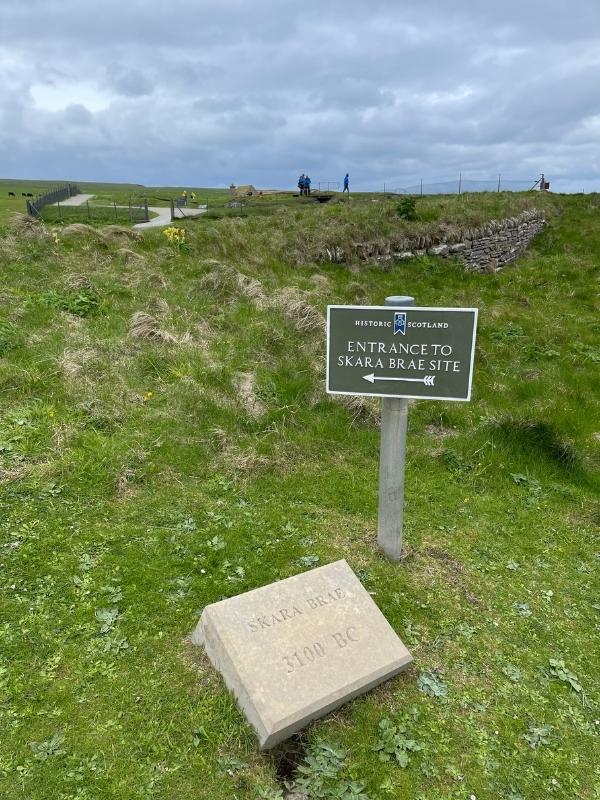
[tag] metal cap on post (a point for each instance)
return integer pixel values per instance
(399, 300)
(394, 420)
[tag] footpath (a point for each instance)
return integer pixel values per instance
(162, 218)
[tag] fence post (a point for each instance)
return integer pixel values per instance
(499, 176)
(59, 211)
(421, 187)
(459, 181)
(172, 210)
(115, 208)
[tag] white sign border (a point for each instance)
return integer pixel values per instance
(404, 308)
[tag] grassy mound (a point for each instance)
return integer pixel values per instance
(361, 229)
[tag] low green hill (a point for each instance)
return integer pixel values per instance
(165, 441)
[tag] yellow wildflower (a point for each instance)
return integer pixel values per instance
(175, 235)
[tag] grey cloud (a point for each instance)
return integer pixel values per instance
(76, 114)
(128, 82)
(261, 91)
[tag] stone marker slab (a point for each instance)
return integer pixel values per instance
(294, 650)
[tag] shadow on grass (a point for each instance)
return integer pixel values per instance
(541, 440)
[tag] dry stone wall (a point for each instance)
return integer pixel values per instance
(490, 247)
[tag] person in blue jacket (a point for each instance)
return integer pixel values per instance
(301, 184)
(346, 184)
(306, 185)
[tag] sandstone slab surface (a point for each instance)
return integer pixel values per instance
(295, 650)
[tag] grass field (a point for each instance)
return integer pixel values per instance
(361, 213)
(105, 194)
(94, 215)
(152, 464)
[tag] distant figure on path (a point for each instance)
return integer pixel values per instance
(306, 185)
(346, 184)
(184, 197)
(301, 184)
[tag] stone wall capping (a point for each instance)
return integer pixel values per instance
(485, 249)
(438, 250)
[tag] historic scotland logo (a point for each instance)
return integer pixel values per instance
(399, 322)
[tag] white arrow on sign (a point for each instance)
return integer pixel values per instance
(428, 380)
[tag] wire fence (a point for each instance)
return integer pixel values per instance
(328, 186)
(138, 212)
(181, 209)
(461, 185)
(55, 196)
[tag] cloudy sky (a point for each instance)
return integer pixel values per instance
(197, 93)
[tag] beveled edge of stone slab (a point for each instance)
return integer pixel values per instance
(219, 657)
(327, 704)
(206, 635)
(271, 732)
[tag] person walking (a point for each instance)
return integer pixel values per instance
(301, 184)
(346, 184)
(307, 185)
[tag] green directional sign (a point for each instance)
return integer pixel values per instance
(414, 352)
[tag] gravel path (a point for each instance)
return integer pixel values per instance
(164, 216)
(76, 200)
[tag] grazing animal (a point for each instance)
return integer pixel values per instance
(23, 194)
(12, 194)
(29, 194)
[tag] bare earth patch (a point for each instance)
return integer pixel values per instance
(245, 383)
(440, 432)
